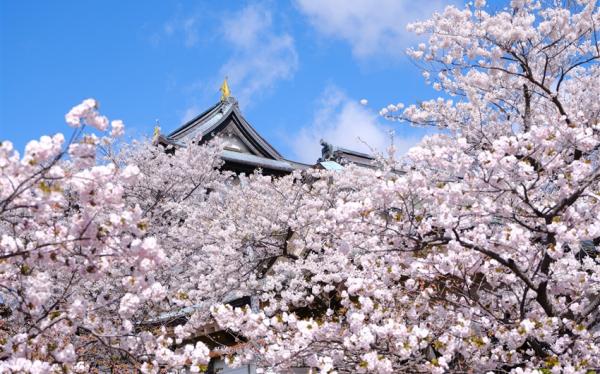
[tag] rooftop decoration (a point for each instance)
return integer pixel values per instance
(225, 92)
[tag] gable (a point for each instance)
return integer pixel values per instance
(225, 120)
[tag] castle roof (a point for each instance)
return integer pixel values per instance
(245, 149)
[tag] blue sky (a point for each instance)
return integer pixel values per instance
(298, 68)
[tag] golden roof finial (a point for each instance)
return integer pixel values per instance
(156, 132)
(225, 93)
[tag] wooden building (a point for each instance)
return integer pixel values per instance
(245, 149)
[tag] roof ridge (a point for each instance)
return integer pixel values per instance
(195, 119)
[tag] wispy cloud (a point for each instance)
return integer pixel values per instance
(190, 30)
(370, 27)
(186, 28)
(261, 56)
(344, 122)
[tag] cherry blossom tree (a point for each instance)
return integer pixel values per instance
(483, 255)
(76, 259)
(477, 252)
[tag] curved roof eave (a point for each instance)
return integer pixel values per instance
(208, 122)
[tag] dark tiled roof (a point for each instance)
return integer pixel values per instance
(261, 154)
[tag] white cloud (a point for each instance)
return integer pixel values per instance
(371, 27)
(346, 123)
(261, 57)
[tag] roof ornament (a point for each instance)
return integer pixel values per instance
(225, 92)
(156, 133)
(326, 150)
